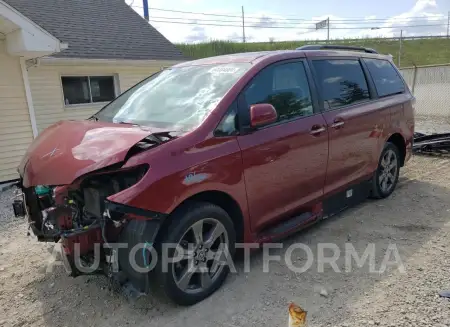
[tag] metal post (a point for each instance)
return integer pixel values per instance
(328, 30)
(448, 24)
(413, 86)
(243, 25)
(400, 47)
(145, 5)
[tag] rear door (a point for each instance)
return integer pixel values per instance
(284, 163)
(353, 118)
(395, 97)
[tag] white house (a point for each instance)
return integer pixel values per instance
(64, 59)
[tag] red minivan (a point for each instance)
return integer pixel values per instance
(242, 148)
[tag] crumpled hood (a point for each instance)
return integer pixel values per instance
(69, 149)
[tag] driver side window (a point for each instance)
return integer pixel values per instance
(285, 87)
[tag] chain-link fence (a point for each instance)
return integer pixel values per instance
(431, 87)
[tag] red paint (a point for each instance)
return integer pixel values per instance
(354, 152)
(84, 240)
(284, 169)
(70, 149)
(271, 173)
(262, 114)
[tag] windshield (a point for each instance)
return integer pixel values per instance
(176, 98)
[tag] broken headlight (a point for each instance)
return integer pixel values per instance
(97, 188)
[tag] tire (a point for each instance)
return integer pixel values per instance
(385, 179)
(181, 231)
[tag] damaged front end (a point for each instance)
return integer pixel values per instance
(64, 191)
(81, 218)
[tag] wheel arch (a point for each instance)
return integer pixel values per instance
(399, 141)
(219, 198)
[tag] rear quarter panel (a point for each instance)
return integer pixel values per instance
(402, 116)
(402, 120)
(408, 125)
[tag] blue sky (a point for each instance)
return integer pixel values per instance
(387, 17)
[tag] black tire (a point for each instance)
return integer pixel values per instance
(182, 221)
(378, 190)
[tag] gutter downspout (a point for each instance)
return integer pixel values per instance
(26, 83)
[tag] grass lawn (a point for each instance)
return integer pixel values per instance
(418, 52)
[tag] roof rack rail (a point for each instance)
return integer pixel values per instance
(335, 47)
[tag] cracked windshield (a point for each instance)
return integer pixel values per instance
(175, 98)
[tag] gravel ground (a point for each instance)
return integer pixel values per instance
(416, 218)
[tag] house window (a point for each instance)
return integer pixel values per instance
(88, 89)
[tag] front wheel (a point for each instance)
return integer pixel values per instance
(201, 235)
(386, 176)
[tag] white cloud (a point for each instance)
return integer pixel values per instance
(423, 14)
(191, 2)
(422, 19)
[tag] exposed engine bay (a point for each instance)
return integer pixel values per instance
(57, 211)
(77, 214)
(71, 204)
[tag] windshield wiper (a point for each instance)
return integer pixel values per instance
(125, 122)
(156, 139)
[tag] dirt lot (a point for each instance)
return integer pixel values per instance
(416, 218)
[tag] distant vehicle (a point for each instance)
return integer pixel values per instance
(239, 148)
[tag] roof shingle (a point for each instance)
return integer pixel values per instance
(98, 29)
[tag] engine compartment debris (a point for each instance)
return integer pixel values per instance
(76, 214)
(432, 144)
(445, 293)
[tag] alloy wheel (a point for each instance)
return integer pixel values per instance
(199, 254)
(388, 171)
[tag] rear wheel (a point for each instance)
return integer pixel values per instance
(386, 176)
(199, 233)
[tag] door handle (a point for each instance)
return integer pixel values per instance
(315, 130)
(337, 124)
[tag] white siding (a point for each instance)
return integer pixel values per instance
(15, 125)
(46, 89)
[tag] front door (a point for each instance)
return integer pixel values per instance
(351, 118)
(284, 163)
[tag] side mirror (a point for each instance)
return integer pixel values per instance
(262, 114)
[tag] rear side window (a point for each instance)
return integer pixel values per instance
(386, 79)
(285, 86)
(341, 82)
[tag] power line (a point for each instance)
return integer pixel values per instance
(278, 22)
(354, 19)
(363, 18)
(295, 27)
(190, 12)
(441, 17)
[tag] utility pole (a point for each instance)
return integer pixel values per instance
(400, 48)
(448, 24)
(328, 30)
(145, 5)
(243, 25)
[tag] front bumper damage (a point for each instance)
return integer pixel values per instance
(114, 243)
(69, 192)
